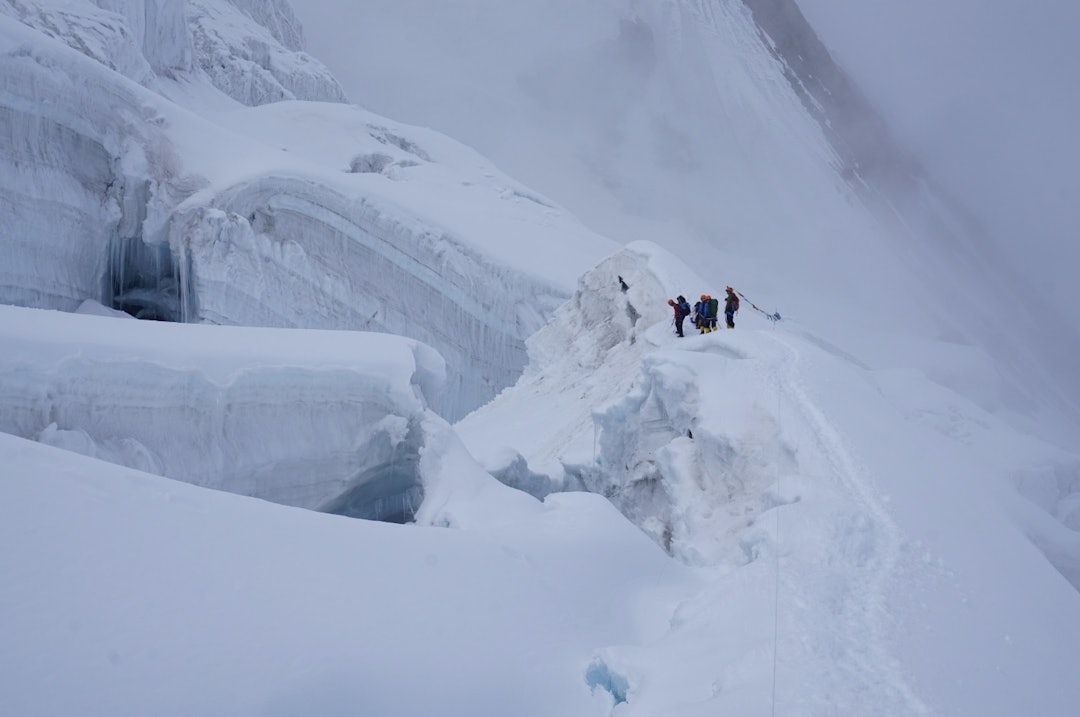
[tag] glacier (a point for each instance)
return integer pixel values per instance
(722, 130)
(332, 421)
(344, 315)
(123, 201)
(767, 452)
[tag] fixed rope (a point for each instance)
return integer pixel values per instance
(775, 316)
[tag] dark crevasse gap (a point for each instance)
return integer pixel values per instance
(600, 676)
(390, 488)
(145, 280)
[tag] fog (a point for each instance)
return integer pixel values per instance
(985, 93)
(981, 90)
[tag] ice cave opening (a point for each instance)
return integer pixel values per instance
(145, 280)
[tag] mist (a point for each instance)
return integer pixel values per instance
(984, 93)
(636, 120)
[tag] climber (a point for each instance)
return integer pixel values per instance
(681, 309)
(710, 312)
(731, 306)
(701, 308)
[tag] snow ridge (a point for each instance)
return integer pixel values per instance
(711, 445)
(867, 539)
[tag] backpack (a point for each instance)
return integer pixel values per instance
(714, 304)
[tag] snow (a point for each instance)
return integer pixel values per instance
(673, 121)
(132, 594)
(874, 552)
(291, 214)
(301, 417)
(417, 452)
(257, 62)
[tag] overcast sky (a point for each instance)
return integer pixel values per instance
(987, 92)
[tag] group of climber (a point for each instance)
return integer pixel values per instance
(705, 311)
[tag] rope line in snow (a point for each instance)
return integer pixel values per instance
(774, 317)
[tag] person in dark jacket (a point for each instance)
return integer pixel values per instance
(711, 313)
(681, 309)
(683, 304)
(701, 308)
(731, 305)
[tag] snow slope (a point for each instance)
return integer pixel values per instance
(816, 565)
(834, 514)
(133, 594)
(723, 131)
(883, 517)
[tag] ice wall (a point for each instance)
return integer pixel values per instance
(252, 50)
(67, 142)
(161, 27)
(110, 33)
(280, 252)
(84, 155)
(681, 435)
(697, 439)
(138, 38)
(325, 420)
(116, 194)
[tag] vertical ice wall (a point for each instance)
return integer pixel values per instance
(93, 177)
(252, 50)
(62, 188)
(285, 252)
(83, 156)
(161, 29)
(324, 420)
